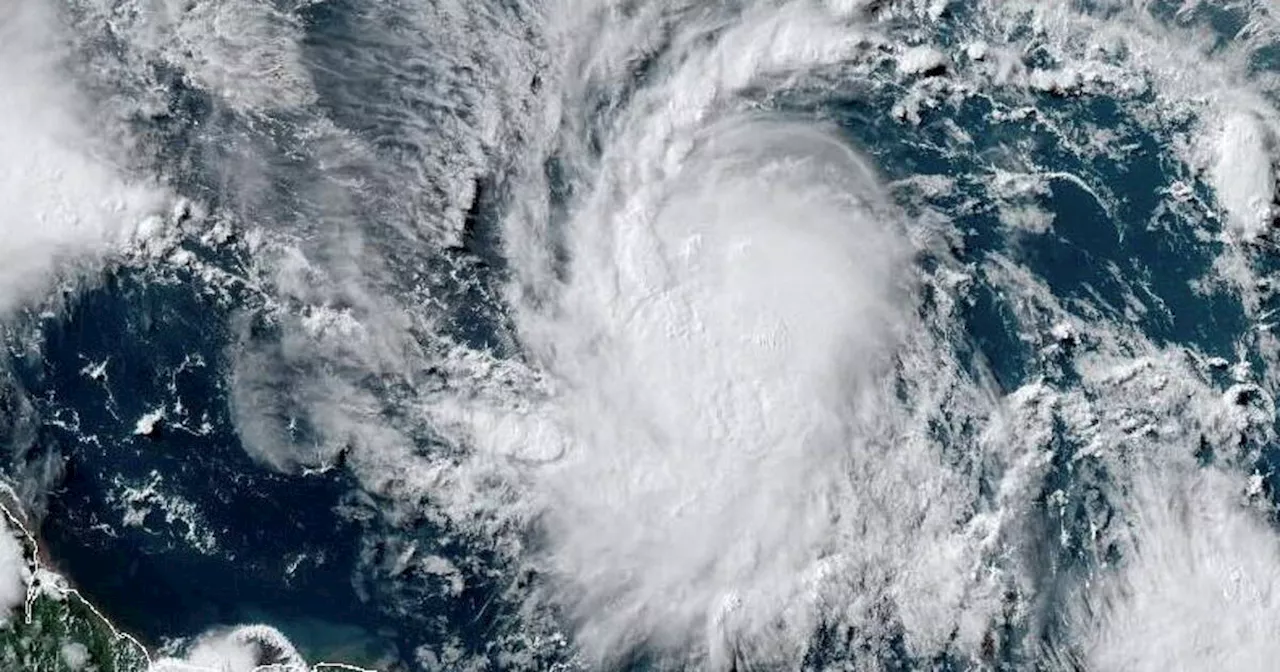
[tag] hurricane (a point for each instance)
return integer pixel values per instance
(644, 335)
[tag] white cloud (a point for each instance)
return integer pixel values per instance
(64, 200)
(248, 52)
(727, 454)
(247, 648)
(74, 655)
(1243, 174)
(1198, 588)
(14, 573)
(720, 356)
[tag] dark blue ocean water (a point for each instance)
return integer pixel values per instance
(147, 578)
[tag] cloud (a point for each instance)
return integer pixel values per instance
(65, 202)
(730, 449)
(247, 648)
(1198, 587)
(14, 573)
(247, 52)
(720, 357)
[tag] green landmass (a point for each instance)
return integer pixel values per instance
(55, 629)
(63, 633)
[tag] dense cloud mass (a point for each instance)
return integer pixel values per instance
(67, 199)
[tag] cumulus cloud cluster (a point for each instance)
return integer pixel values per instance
(247, 648)
(66, 201)
(14, 573)
(1199, 585)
